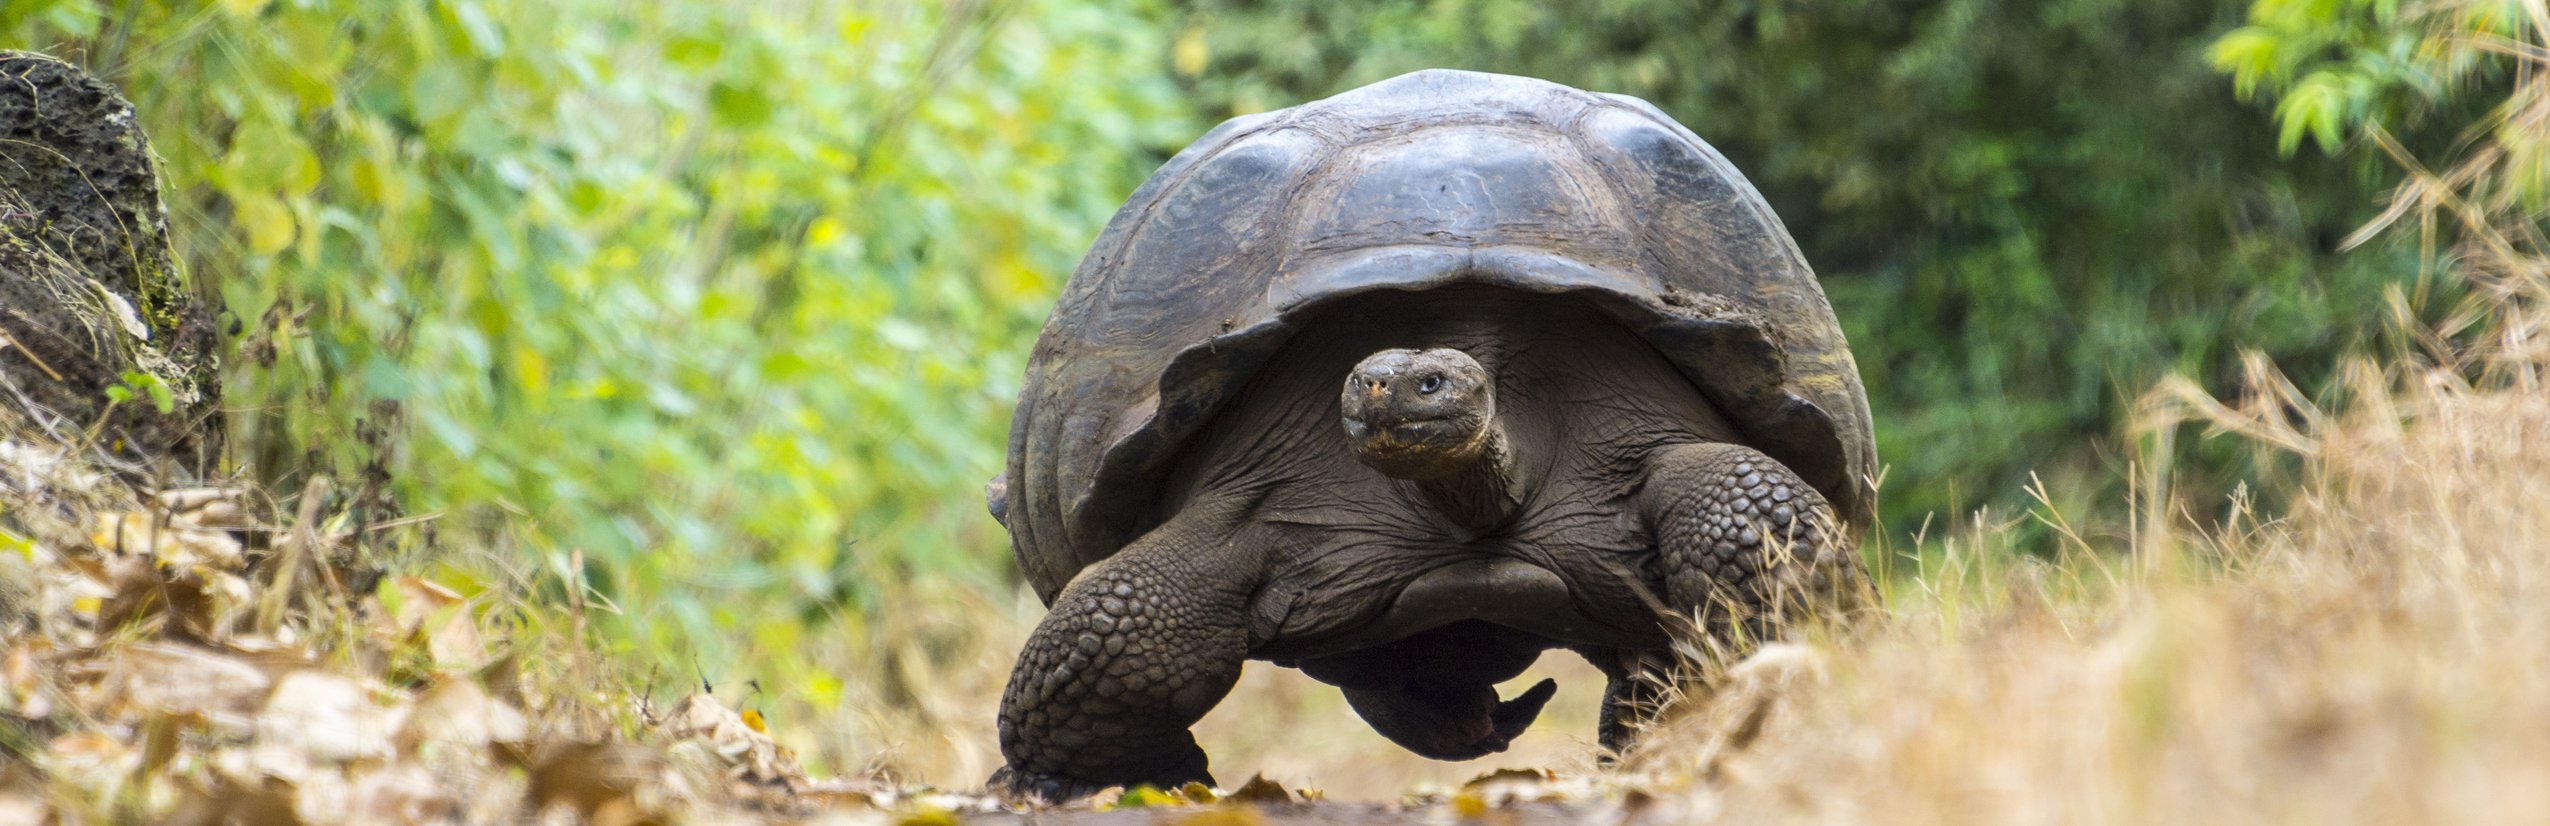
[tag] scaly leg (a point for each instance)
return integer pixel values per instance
(1630, 699)
(1746, 543)
(1747, 546)
(1136, 649)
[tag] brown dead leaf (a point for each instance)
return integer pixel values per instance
(89, 748)
(1508, 776)
(621, 811)
(20, 811)
(401, 793)
(215, 507)
(166, 678)
(592, 777)
(172, 541)
(32, 467)
(326, 718)
(836, 792)
(88, 760)
(1258, 789)
(275, 656)
(746, 754)
(438, 619)
(21, 693)
(419, 598)
(151, 564)
(454, 642)
(459, 712)
(1506, 787)
(196, 600)
(260, 801)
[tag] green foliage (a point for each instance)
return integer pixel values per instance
(146, 386)
(2342, 65)
(2024, 212)
(732, 297)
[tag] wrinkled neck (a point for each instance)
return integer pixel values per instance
(1477, 494)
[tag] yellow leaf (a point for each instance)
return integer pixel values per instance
(1143, 797)
(619, 257)
(823, 232)
(1191, 53)
(378, 182)
(1014, 278)
(300, 167)
(533, 368)
(243, 8)
(267, 222)
(927, 815)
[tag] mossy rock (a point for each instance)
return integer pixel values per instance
(91, 294)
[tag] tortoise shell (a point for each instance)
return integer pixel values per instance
(1426, 180)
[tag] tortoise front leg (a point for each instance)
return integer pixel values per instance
(1745, 542)
(1747, 546)
(1135, 650)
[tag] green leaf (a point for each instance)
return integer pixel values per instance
(739, 105)
(161, 399)
(2316, 105)
(2249, 54)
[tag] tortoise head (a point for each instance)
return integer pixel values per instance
(1419, 414)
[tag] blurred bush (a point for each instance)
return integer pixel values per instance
(2024, 212)
(732, 297)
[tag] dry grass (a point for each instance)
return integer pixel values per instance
(2378, 653)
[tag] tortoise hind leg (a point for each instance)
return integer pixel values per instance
(1434, 693)
(1463, 722)
(1631, 698)
(1136, 649)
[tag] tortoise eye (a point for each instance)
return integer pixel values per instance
(1430, 384)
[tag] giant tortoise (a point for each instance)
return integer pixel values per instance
(1403, 388)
